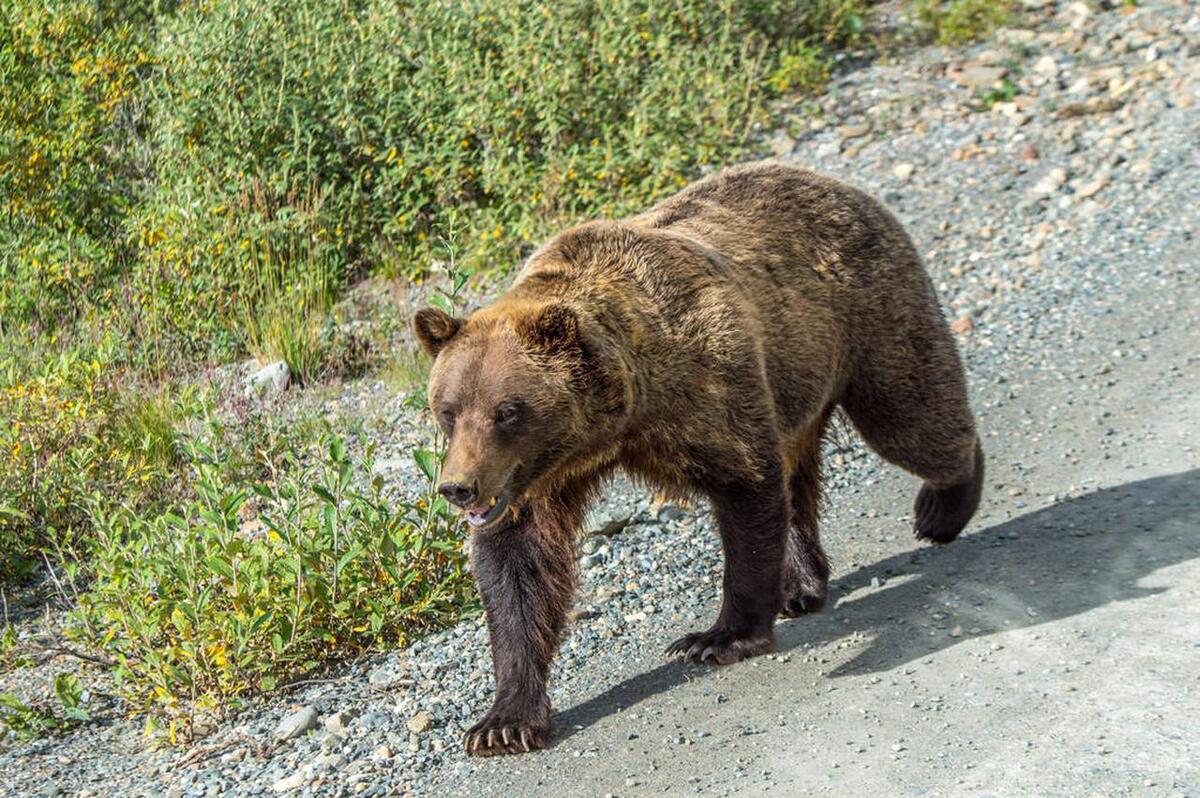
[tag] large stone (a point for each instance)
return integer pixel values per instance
(292, 782)
(270, 380)
(301, 721)
(978, 76)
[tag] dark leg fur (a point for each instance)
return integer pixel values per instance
(941, 513)
(526, 574)
(806, 569)
(753, 522)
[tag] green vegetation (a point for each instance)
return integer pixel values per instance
(25, 721)
(169, 146)
(249, 585)
(960, 21)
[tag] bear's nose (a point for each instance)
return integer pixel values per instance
(458, 493)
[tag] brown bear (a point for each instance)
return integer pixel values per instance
(700, 346)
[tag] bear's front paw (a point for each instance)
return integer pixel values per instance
(499, 734)
(720, 646)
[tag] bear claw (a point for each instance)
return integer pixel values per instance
(489, 739)
(719, 647)
(803, 604)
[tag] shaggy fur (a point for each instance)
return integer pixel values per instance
(701, 346)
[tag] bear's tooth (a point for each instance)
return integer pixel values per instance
(492, 503)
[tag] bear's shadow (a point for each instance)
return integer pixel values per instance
(1071, 557)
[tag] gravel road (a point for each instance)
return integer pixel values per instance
(1053, 650)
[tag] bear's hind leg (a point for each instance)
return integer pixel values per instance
(805, 568)
(753, 521)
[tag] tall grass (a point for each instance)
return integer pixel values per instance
(289, 286)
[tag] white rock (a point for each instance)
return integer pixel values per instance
(297, 723)
(337, 722)
(1046, 66)
(903, 171)
(419, 722)
(269, 380)
(292, 782)
(1080, 12)
(1050, 183)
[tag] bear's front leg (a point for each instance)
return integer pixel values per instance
(753, 521)
(526, 575)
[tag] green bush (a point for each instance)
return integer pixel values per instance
(519, 117)
(70, 72)
(960, 21)
(71, 430)
(246, 587)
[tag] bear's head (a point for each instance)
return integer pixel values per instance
(520, 389)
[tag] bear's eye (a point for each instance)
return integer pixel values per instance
(447, 417)
(507, 413)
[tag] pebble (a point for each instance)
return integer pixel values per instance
(289, 783)
(1094, 186)
(1050, 183)
(419, 722)
(978, 76)
(854, 131)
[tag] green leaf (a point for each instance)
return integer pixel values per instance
(217, 565)
(440, 302)
(427, 461)
(345, 559)
(324, 493)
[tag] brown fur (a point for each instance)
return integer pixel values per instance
(701, 346)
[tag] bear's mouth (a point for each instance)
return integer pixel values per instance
(483, 514)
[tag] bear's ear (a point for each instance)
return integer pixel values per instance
(434, 329)
(552, 329)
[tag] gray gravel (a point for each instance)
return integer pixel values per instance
(1060, 226)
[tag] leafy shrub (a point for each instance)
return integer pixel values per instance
(245, 587)
(70, 75)
(959, 21)
(73, 430)
(519, 117)
(25, 721)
